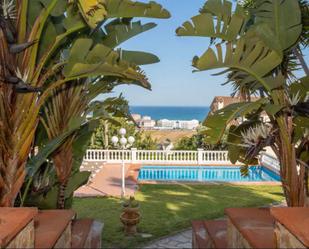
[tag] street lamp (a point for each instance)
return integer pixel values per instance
(123, 143)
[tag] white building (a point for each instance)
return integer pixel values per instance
(188, 124)
(136, 117)
(144, 122)
(166, 124)
(178, 124)
(147, 123)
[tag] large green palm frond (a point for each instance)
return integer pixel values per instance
(216, 20)
(249, 54)
(217, 123)
(88, 61)
(285, 24)
(119, 31)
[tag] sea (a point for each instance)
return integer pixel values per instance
(172, 112)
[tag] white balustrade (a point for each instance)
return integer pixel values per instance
(269, 161)
(176, 157)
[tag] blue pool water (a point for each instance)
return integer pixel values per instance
(205, 174)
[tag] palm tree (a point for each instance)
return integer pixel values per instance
(75, 101)
(33, 36)
(256, 43)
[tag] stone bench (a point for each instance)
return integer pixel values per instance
(86, 233)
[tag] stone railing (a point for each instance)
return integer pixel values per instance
(199, 157)
(269, 161)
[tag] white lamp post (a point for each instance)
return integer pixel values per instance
(123, 143)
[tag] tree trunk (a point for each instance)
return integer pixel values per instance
(61, 196)
(63, 162)
(307, 187)
(11, 181)
(106, 142)
(292, 176)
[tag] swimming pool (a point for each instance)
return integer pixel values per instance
(206, 174)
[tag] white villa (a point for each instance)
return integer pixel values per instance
(178, 124)
(144, 122)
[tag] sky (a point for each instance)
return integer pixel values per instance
(172, 80)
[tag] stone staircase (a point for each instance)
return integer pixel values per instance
(254, 228)
(30, 228)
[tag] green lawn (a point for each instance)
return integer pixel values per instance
(169, 208)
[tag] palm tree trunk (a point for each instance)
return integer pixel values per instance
(61, 195)
(292, 177)
(63, 161)
(11, 180)
(307, 187)
(106, 144)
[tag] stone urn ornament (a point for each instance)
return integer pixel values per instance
(130, 216)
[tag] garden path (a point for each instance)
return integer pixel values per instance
(180, 240)
(105, 181)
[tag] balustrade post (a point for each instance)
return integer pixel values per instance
(107, 155)
(200, 156)
(133, 155)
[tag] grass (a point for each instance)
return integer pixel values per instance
(170, 208)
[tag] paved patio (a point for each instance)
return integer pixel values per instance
(105, 181)
(179, 240)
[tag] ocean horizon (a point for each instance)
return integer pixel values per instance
(172, 112)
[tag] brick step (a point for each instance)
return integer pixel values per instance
(17, 227)
(86, 233)
(52, 229)
(209, 234)
(250, 228)
(217, 230)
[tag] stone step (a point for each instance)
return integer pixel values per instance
(17, 227)
(53, 229)
(217, 230)
(250, 228)
(86, 233)
(292, 226)
(209, 234)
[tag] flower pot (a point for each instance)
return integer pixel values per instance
(131, 209)
(130, 220)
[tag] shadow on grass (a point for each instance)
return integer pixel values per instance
(166, 209)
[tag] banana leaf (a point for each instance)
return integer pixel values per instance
(117, 32)
(217, 123)
(227, 26)
(284, 18)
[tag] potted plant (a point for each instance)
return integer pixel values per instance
(130, 215)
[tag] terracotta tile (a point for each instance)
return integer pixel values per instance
(49, 226)
(296, 220)
(255, 224)
(217, 230)
(199, 235)
(12, 221)
(107, 182)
